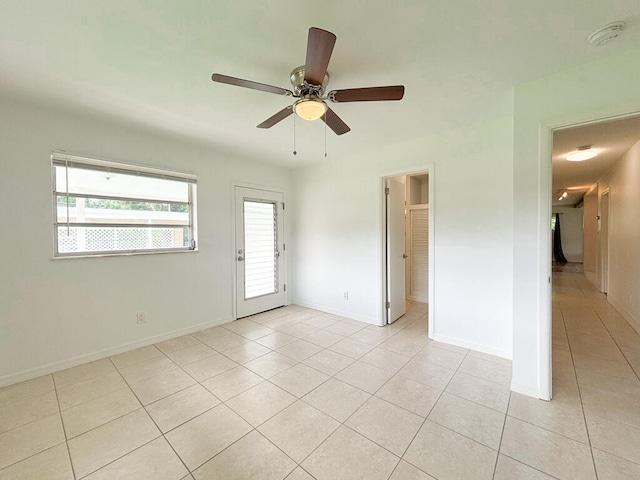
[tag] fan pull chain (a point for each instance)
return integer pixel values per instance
(325, 134)
(294, 134)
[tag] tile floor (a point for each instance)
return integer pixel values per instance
(298, 394)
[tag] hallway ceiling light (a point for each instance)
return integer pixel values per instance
(582, 153)
(563, 196)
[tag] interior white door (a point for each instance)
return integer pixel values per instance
(259, 251)
(396, 293)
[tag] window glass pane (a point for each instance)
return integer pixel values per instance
(105, 239)
(99, 210)
(92, 182)
(260, 242)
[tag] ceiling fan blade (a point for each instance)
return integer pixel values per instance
(319, 48)
(334, 122)
(239, 82)
(371, 94)
(278, 117)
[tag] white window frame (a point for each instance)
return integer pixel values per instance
(62, 159)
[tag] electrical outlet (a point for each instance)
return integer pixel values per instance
(141, 317)
(345, 295)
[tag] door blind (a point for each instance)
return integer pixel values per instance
(260, 245)
(419, 253)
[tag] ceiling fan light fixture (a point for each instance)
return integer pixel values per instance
(310, 108)
(582, 153)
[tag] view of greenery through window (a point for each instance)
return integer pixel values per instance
(125, 205)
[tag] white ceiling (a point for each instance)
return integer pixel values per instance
(610, 139)
(150, 63)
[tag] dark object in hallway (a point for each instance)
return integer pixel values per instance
(557, 243)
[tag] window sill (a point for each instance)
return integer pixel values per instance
(123, 254)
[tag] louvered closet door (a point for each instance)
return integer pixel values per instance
(419, 255)
(259, 251)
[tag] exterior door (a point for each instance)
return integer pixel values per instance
(259, 251)
(396, 289)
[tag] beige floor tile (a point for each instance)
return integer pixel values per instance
(232, 382)
(160, 386)
(562, 418)
(465, 351)
(613, 437)
(226, 342)
(351, 348)
(440, 356)
(154, 461)
(386, 424)
(138, 355)
(409, 394)
(21, 391)
(491, 371)
(299, 379)
(246, 352)
(347, 455)
(484, 392)
(510, 469)
(89, 415)
(607, 383)
(251, 457)
(402, 345)
(323, 321)
(605, 351)
(486, 356)
(329, 362)
(549, 452)
(300, 330)
(385, 359)
(206, 435)
(83, 372)
(406, 471)
(191, 354)
(373, 335)
(29, 439)
(364, 376)
(345, 329)
(281, 323)
(27, 411)
(180, 407)
(605, 367)
(298, 430)
(447, 455)
(337, 399)
(144, 370)
(479, 423)
(100, 446)
(562, 356)
(248, 329)
(610, 467)
(623, 408)
(299, 474)
(52, 464)
(428, 373)
(260, 403)
(299, 350)
(209, 367)
(211, 334)
(89, 389)
(276, 340)
(177, 343)
(270, 364)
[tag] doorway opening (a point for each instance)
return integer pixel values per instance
(407, 239)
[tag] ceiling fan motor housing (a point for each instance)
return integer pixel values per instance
(302, 88)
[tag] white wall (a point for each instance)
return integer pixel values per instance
(338, 238)
(600, 89)
(55, 313)
(623, 180)
(572, 232)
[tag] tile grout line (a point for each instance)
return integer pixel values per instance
(64, 429)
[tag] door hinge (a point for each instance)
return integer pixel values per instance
(386, 191)
(284, 247)
(285, 287)
(283, 205)
(387, 305)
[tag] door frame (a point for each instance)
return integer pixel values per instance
(428, 168)
(604, 242)
(285, 232)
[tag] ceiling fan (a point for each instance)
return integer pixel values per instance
(309, 82)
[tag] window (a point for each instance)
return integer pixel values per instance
(104, 207)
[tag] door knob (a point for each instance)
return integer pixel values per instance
(404, 255)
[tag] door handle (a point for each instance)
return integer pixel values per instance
(404, 255)
(240, 258)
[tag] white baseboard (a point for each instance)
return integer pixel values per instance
(530, 391)
(340, 313)
(473, 346)
(107, 352)
(627, 315)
